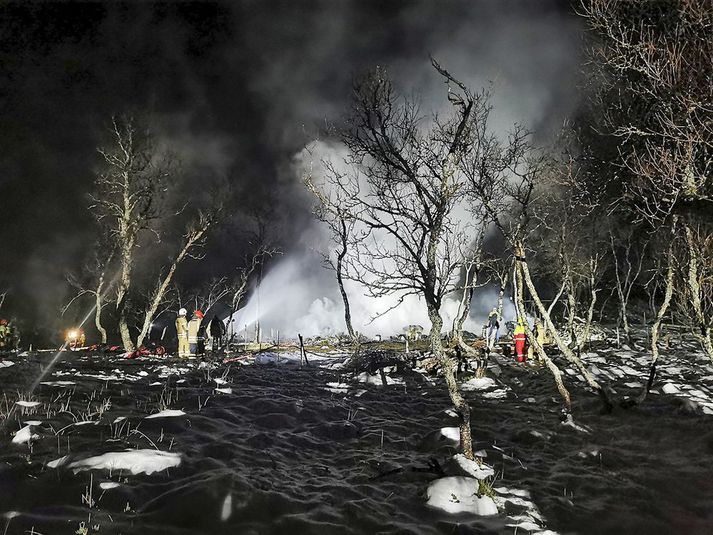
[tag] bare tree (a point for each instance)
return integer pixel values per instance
(254, 261)
(515, 182)
(472, 267)
(342, 230)
(95, 283)
(655, 69)
(404, 188)
(193, 239)
(653, 63)
(699, 284)
(126, 199)
(628, 258)
(208, 294)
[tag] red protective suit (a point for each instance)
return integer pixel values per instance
(520, 339)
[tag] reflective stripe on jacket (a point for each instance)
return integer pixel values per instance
(193, 327)
(181, 326)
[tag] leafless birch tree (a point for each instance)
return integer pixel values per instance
(403, 187)
(127, 198)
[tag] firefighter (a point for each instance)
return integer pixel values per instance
(539, 332)
(182, 331)
(194, 326)
(216, 330)
(493, 326)
(520, 339)
(4, 334)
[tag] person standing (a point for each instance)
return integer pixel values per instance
(194, 327)
(216, 329)
(539, 332)
(493, 326)
(182, 332)
(520, 339)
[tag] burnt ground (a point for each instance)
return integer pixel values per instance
(295, 457)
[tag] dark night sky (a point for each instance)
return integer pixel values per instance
(237, 88)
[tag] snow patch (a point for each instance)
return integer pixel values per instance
(27, 403)
(473, 468)
(168, 413)
(58, 462)
(478, 383)
(451, 433)
(227, 509)
(135, 461)
(6, 363)
(458, 495)
(670, 388)
(106, 485)
(24, 435)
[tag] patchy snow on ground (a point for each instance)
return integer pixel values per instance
(678, 374)
(135, 461)
(375, 379)
(525, 515)
(458, 494)
(24, 435)
(107, 485)
(168, 413)
(451, 433)
(478, 470)
(58, 383)
(28, 404)
(58, 462)
(6, 363)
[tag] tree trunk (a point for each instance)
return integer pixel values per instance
(593, 301)
(554, 302)
(501, 293)
(571, 312)
(192, 237)
(126, 243)
(345, 298)
(694, 288)
(460, 404)
(668, 294)
(566, 351)
(464, 310)
(556, 373)
(99, 298)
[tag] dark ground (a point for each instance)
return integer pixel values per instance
(297, 458)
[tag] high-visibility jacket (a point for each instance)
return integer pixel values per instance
(519, 337)
(182, 326)
(193, 327)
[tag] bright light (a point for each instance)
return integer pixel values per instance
(73, 335)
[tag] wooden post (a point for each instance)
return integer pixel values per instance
(303, 354)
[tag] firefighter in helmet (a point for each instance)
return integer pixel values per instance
(520, 338)
(182, 332)
(194, 327)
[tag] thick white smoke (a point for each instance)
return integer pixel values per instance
(531, 60)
